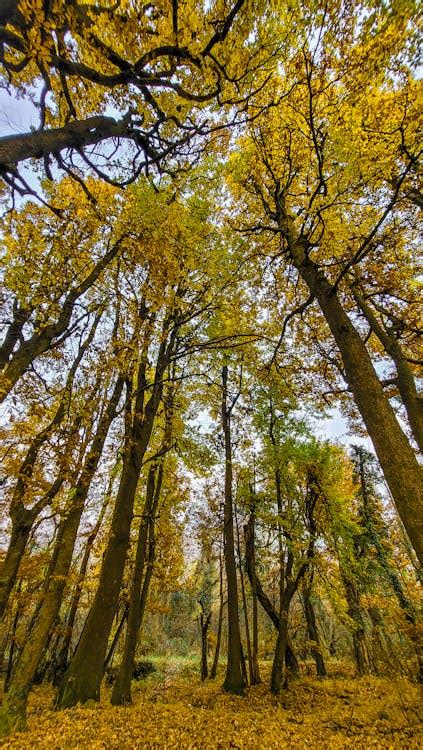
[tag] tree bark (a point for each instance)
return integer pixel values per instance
(36, 145)
(122, 687)
(234, 681)
(280, 649)
(244, 605)
(13, 710)
(83, 678)
(290, 658)
(313, 632)
(411, 399)
(396, 456)
(204, 627)
(255, 665)
(214, 666)
(60, 659)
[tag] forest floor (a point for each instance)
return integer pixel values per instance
(172, 710)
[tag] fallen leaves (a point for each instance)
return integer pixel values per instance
(180, 712)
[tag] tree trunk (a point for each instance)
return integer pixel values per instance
(22, 522)
(60, 658)
(213, 670)
(313, 632)
(405, 380)
(396, 456)
(12, 646)
(234, 681)
(204, 627)
(280, 651)
(13, 711)
(43, 337)
(83, 678)
(22, 517)
(360, 646)
(290, 658)
(122, 687)
(255, 665)
(244, 605)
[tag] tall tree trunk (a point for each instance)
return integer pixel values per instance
(83, 678)
(361, 650)
(13, 710)
(313, 632)
(244, 605)
(255, 665)
(122, 687)
(234, 681)
(396, 456)
(60, 657)
(213, 670)
(139, 590)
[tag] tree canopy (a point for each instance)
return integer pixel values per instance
(208, 252)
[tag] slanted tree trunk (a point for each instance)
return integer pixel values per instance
(13, 710)
(396, 456)
(234, 681)
(44, 336)
(22, 522)
(290, 658)
(23, 518)
(405, 381)
(60, 656)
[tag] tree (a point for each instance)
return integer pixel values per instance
(156, 66)
(290, 178)
(13, 710)
(234, 681)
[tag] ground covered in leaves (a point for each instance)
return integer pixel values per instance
(172, 709)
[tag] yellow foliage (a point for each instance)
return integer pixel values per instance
(181, 712)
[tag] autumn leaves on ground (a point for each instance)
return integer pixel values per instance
(211, 521)
(172, 709)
